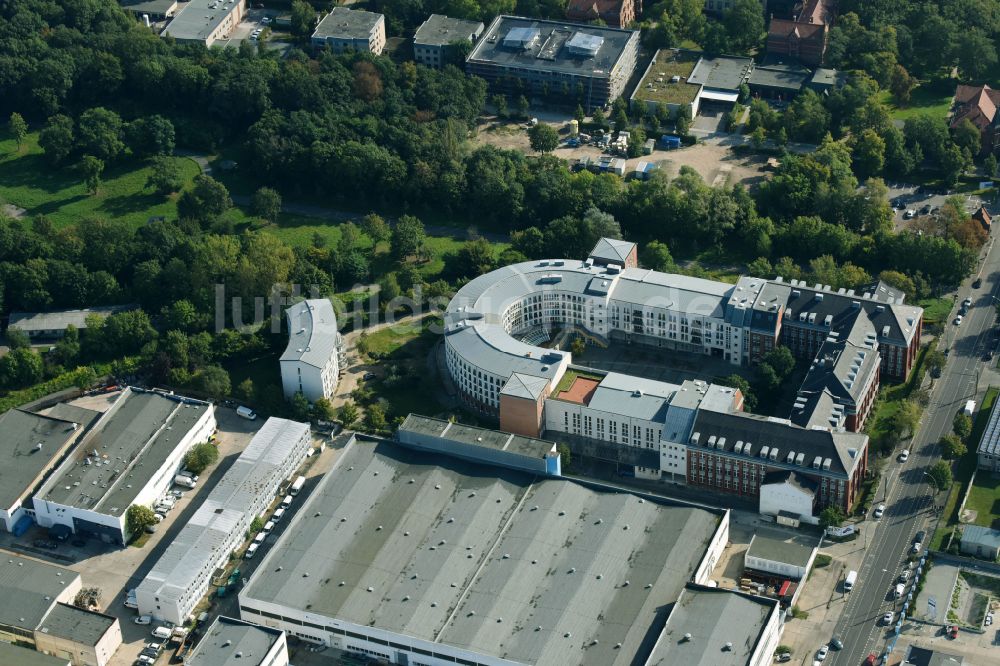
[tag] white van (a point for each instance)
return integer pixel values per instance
(852, 578)
(161, 632)
(251, 551)
(259, 539)
(900, 590)
(287, 502)
(297, 486)
(246, 413)
(277, 515)
(268, 526)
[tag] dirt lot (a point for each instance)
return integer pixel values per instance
(716, 164)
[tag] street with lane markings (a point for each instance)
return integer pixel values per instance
(910, 497)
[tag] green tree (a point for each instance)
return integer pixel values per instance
(388, 288)
(579, 114)
(597, 117)
(91, 168)
(744, 24)
(182, 316)
(740, 382)
(21, 367)
(84, 377)
(831, 516)
(300, 406)
(347, 414)
(18, 128)
(408, 237)
(523, 107)
(966, 136)
(868, 154)
(17, 339)
(100, 133)
(656, 256)
(940, 473)
(952, 447)
(962, 425)
(57, 139)
(499, 103)
(205, 201)
(682, 121)
(137, 518)
(303, 19)
(901, 84)
(256, 525)
(578, 346)
(757, 137)
(543, 138)
(200, 457)
(213, 380)
(375, 418)
(565, 455)
(165, 175)
(376, 229)
(904, 422)
(266, 204)
(990, 165)
(954, 162)
(245, 390)
(323, 410)
(150, 135)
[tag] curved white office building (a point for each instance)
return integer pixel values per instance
(311, 362)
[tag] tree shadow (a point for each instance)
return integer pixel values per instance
(122, 205)
(32, 171)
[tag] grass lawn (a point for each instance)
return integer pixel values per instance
(936, 309)
(932, 97)
(984, 499)
(27, 181)
(390, 339)
(978, 498)
(570, 376)
(403, 351)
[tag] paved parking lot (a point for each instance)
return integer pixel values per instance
(917, 199)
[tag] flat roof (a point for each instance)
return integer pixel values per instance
(29, 445)
(132, 441)
(722, 72)
(199, 19)
(483, 559)
(156, 7)
(29, 588)
(656, 84)
(58, 320)
(785, 77)
(540, 45)
(312, 333)
(724, 628)
(484, 437)
(787, 549)
(231, 642)
(439, 30)
(15, 655)
(989, 443)
(347, 23)
(76, 624)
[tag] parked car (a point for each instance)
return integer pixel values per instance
(967, 302)
(782, 657)
(952, 631)
(926, 209)
(904, 455)
(147, 652)
(888, 618)
(150, 529)
(958, 320)
(910, 214)
(836, 643)
(143, 619)
(904, 576)
(871, 659)
(822, 652)
(368, 376)
(977, 283)
(879, 510)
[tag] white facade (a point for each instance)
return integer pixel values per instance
(578, 419)
(311, 363)
(788, 497)
(102, 511)
(182, 575)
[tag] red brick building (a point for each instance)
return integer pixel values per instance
(803, 36)
(978, 105)
(615, 13)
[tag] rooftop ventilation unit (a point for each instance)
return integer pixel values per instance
(739, 446)
(812, 317)
(695, 437)
(819, 297)
(774, 454)
(764, 451)
(747, 449)
(790, 458)
(828, 321)
(817, 462)
(800, 458)
(721, 443)
(583, 44)
(711, 441)
(521, 38)
(826, 463)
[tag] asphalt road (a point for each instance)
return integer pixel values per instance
(910, 503)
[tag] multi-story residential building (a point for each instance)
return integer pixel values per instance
(495, 322)
(541, 58)
(804, 35)
(438, 35)
(346, 29)
(310, 364)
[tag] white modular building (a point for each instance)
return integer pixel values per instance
(181, 576)
(311, 362)
(129, 456)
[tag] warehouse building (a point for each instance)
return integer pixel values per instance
(205, 21)
(29, 590)
(310, 364)
(181, 576)
(346, 29)
(982, 542)
(402, 556)
(712, 627)
(155, 10)
(84, 637)
(15, 655)
(53, 325)
(480, 444)
(540, 58)
(437, 36)
(988, 451)
(779, 556)
(129, 456)
(32, 445)
(229, 642)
